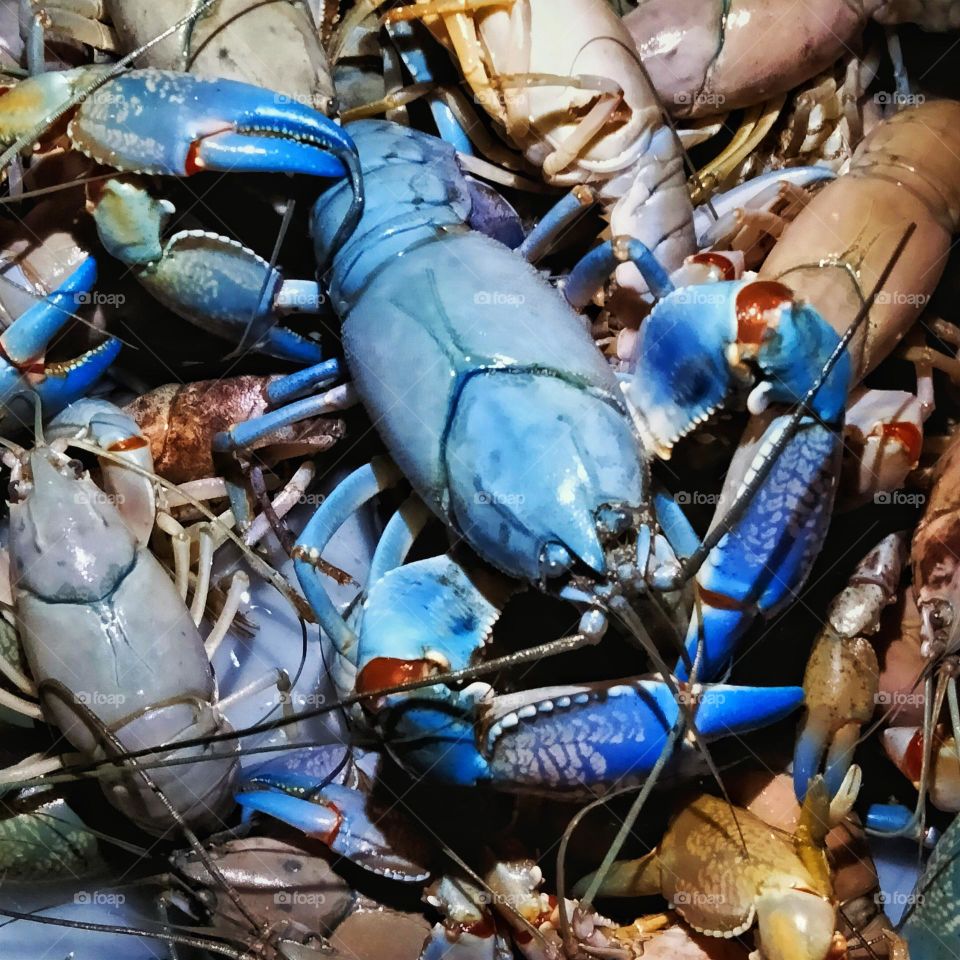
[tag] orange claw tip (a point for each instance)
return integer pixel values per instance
(907, 434)
(382, 673)
(904, 746)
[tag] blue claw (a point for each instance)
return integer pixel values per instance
(62, 383)
(72, 379)
(568, 738)
(435, 615)
(812, 745)
(180, 124)
(348, 821)
(768, 553)
(695, 349)
(28, 336)
(723, 709)
(602, 734)
(596, 267)
(807, 758)
(895, 820)
(226, 289)
(177, 124)
(22, 346)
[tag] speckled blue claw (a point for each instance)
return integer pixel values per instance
(178, 124)
(700, 346)
(228, 290)
(436, 615)
(573, 738)
(783, 526)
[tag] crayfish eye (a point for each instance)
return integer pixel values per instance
(555, 561)
(612, 522)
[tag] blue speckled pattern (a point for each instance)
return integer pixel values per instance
(768, 553)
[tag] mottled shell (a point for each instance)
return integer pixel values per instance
(710, 879)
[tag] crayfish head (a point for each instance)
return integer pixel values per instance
(795, 924)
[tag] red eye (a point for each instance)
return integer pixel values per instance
(758, 304)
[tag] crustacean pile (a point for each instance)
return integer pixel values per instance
(482, 480)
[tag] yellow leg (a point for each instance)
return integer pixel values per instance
(756, 125)
(461, 37)
(399, 98)
(440, 8)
